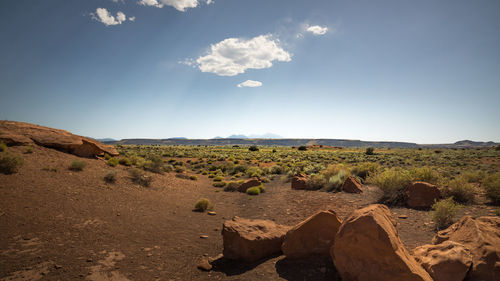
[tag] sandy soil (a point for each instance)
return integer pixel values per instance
(66, 225)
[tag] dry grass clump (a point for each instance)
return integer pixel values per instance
(113, 162)
(256, 190)
(444, 211)
(426, 174)
(110, 177)
(139, 177)
(461, 190)
(3, 147)
(10, 164)
(77, 166)
(363, 170)
(219, 184)
(202, 205)
(492, 187)
(393, 183)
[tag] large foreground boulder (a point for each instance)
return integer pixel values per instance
(249, 183)
(252, 240)
(315, 235)
(482, 237)
(300, 181)
(448, 261)
(351, 185)
(367, 247)
(20, 133)
(422, 195)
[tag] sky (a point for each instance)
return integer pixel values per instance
(390, 70)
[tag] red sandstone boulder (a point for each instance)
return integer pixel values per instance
(422, 195)
(300, 181)
(315, 235)
(367, 247)
(249, 183)
(252, 240)
(448, 261)
(20, 133)
(482, 237)
(351, 185)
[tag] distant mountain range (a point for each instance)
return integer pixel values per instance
(264, 136)
(238, 140)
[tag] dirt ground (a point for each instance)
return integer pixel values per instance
(66, 225)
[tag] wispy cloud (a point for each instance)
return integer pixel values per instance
(180, 5)
(317, 30)
(102, 15)
(233, 56)
(250, 84)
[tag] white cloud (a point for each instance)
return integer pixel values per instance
(102, 15)
(131, 19)
(209, 2)
(153, 3)
(317, 30)
(250, 84)
(233, 56)
(180, 5)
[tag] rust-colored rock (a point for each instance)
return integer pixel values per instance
(249, 183)
(351, 185)
(448, 261)
(252, 240)
(367, 247)
(315, 235)
(422, 195)
(300, 181)
(482, 237)
(20, 133)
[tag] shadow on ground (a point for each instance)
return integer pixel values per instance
(313, 268)
(234, 267)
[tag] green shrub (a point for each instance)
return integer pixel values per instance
(154, 164)
(125, 162)
(335, 182)
(77, 166)
(182, 176)
(202, 205)
(139, 177)
(232, 186)
(3, 147)
(253, 148)
(317, 181)
(393, 183)
(219, 184)
(218, 178)
(443, 212)
(10, 164)
(193, 177)
(302, 148)
(425, 174)
(474, 176)
(29, 149)
(461, 190)
(253, 190)
(363, 170)
(107, 156)
(254, 172)
(492, 187)
(369, 151)
(113, 162)
(110, 177)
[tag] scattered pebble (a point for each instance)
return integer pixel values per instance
(203, 236)
(403, 216)
(57, 266)
(212, 213)
(203, 264)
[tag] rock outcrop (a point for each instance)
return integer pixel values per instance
(367, 247)
(448, 261)
(249, 183)
(482, 237)
(252, 240)
(351, 185)
(300, 181)
(422, 195)
(20, 133)
(315, 235)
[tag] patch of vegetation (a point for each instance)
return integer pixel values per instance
(139, 177)
(219, 184)
(113, 162)
(202, 205)
(443, 212)
(48, 169)
(363, 170)
(155, 164)
(10, 164)
(193, 177)
(3, 147)
(218, 178)
(393, 183)
(77, 166)
(425, 174)
(369, 151)
(253, 148)
(492, 187)
(233, 185)
(125, 162)
(29, 149)
(461, 190)
(110, 177)
(302, 148)
(254, 172)
(253, 190)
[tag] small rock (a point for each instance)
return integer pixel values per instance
(323, 269)
(403, 216)
(89, 260)
(212, 213)
(57, 266)
(204, 264)
(203, 236)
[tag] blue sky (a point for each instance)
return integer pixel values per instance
(418, 71)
